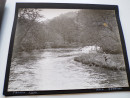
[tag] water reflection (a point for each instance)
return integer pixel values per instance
(55, 69)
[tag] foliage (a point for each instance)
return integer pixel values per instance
(85, 27)
(99, 27)
(110, 61)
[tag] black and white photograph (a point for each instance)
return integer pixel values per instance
(66, 49)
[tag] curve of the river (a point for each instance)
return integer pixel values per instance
(55, 69)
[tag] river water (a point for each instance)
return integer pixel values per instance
(55, 69)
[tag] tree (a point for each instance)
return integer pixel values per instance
(65, 27)
(27, 29)
(99, 27)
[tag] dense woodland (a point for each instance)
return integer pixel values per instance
(85, 27)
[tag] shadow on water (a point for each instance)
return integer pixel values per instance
(22, 70)
(107, 77)
(99, 77)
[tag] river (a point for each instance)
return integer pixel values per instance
(55, 69)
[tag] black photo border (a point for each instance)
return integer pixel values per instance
(64, 6)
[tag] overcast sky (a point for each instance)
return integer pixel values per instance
(51, 13)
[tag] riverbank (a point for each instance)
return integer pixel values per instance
(55, 67)
(110, 61)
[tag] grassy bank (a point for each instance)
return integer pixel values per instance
(110, 61)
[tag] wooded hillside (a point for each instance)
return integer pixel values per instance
(85, 27)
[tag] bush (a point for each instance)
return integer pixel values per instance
(115, 62)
